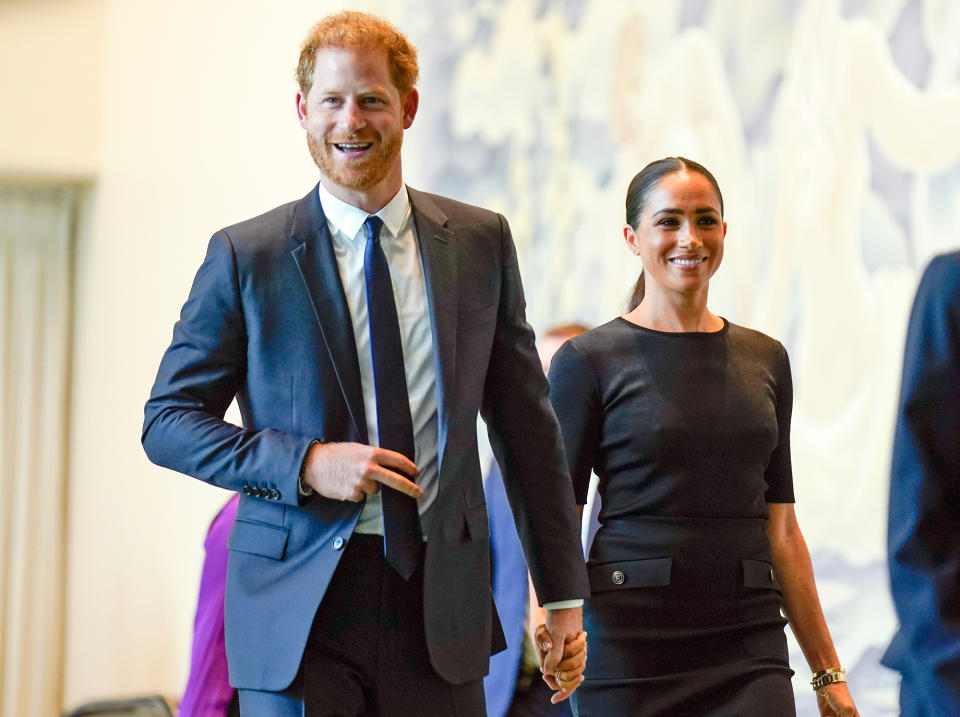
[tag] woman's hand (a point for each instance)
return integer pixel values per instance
(835, 701)
(568, 675)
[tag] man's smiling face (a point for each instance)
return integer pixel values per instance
(354, 117)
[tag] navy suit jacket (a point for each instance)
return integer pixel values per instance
(924, 527)
(267, 322)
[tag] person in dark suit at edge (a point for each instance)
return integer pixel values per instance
(361, 329)
(924, 516)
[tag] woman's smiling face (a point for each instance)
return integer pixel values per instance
(680, 233)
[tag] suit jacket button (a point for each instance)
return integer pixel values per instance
(337, 543)
(618, 577)
(275, 494)
(255, 492)
(247, 490)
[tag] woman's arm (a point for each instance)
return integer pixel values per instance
(801, 605)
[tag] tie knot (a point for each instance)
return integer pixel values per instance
(373, 225)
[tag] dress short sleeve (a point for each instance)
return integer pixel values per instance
(575, 395)
(779, 473)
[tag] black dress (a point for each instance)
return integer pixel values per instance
(689, 434)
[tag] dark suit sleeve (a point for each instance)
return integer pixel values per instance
(924, 519)
(526, 441)
(199, 375)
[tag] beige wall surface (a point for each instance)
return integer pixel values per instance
(52, 65)
(831, 130)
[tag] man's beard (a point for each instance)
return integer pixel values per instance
(360, 174)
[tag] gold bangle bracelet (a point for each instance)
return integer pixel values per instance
(829, 676)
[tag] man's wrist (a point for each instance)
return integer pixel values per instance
(303, 487)
(563, 604)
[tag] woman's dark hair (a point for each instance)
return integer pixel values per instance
(640, 186)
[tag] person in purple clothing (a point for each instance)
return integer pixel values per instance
(208, 692)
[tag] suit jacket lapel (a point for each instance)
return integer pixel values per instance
(439, 254)
(318, 268)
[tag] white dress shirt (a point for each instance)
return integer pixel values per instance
(399, 241)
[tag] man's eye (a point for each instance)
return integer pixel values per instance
(708, 221)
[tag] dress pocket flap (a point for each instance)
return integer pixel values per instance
(759, 574)
(259, 539)
(647, 573)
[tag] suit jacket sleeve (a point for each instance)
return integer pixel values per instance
(199, 375)
(526, 441)
(924, 521)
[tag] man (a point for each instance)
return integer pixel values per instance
(360, 329)
(924, 525)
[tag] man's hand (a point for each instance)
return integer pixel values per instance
(563, 651)
(352, 471)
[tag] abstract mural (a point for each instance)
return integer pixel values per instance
(834, 130)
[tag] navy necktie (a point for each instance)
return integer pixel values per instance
(401, 522)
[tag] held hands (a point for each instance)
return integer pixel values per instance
(352, 471)
(835, 701)
(562, 646)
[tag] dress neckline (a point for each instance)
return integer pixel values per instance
(720, 332)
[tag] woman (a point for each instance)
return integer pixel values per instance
(686, 420)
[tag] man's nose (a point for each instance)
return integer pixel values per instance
(351, 119)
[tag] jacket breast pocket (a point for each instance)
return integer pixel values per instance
(268, 541)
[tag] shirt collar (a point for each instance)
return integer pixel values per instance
(348, 219)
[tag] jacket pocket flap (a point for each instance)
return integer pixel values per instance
(259, 539)
(759, 574)
(477, 525)
(624, 574)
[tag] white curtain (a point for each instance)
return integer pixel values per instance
(36, 229)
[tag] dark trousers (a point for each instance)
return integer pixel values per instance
(366, 655)
(531, 698)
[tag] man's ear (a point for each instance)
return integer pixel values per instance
(410, 104)
(302, 108)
